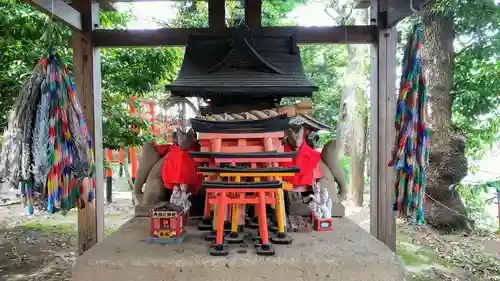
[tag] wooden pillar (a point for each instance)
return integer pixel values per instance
(216, 14)
(383, 107)
(253, 14)
(87, 76)
(109, 177)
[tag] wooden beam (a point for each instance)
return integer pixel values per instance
(216, 15)
(352, 34)
(103, 4)
(397, 10)
(383, 105)
(86, 72)
(60, 10)
(253, 13)
(349, 34)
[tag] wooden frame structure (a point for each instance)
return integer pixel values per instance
(82, 17)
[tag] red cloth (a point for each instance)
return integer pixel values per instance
(163, 149)
(180, 168)
(317, 172)
(307, 160)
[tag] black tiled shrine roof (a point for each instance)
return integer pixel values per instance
(248, 65)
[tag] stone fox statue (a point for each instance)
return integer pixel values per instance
(149, 171)
(329, 164)
(330, 157)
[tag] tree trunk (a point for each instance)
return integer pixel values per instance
(358, 149)
(352, 120)
(447, 162)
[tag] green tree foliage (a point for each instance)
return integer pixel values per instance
(195, 13)
(125, 72)
(129, 73)
(476, 87)
(21, 31)
(190, 14)
(476, 75)
(275, 11)
(478, 198)
(325, 66)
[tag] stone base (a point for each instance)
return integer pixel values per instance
(234, 238)
(281, 239)
(143, 210)
(347, 253)
(338, 210)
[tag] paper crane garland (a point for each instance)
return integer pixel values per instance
(47, 148)
(411, 148)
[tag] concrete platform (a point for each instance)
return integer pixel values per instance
(347, 253)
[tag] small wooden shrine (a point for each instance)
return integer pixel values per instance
(167, 224)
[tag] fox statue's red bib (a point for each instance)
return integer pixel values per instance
(179, 167)
(307, 159)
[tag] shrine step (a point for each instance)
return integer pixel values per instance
(240, 170)
(271, 155)
(243, 185)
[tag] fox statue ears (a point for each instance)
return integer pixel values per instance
(189, 132)
(185, 140)
(295, 136)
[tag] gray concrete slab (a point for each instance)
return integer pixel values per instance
(348, 253)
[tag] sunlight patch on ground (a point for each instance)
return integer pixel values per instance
(413, 255)
(417, 257)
